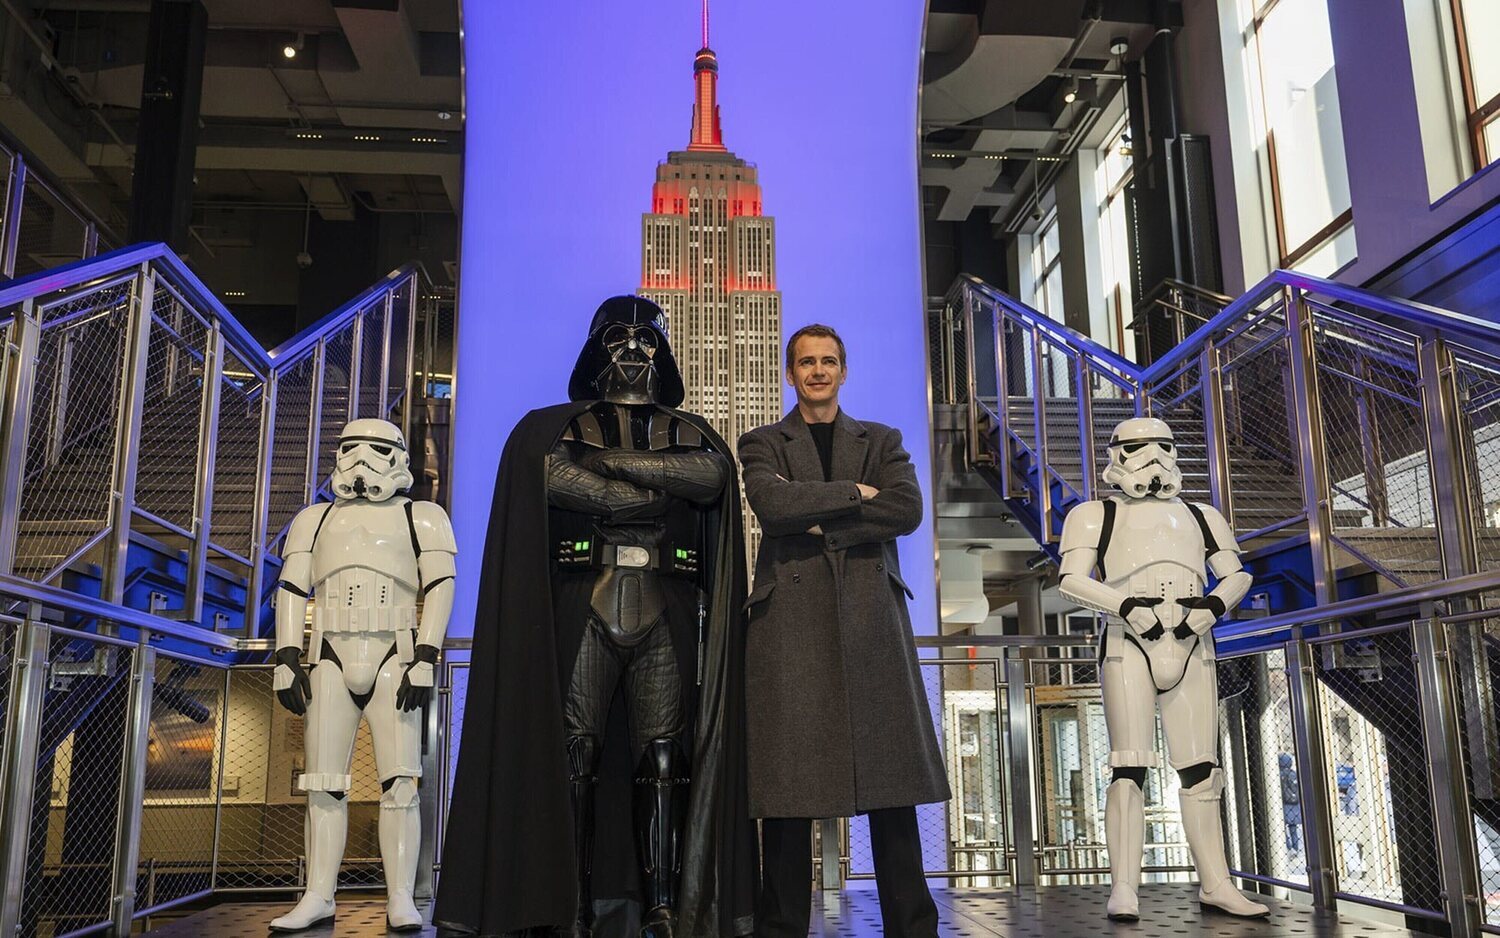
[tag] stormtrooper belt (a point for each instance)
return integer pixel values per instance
(595, 555)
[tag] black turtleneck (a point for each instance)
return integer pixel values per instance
(822, 434)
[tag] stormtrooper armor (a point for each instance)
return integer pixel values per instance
(626, 483)
(367, 558)
(1152, 552)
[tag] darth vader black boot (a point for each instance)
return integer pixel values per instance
(661, 795)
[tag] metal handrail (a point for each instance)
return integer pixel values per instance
(297, 394)
(83, 274)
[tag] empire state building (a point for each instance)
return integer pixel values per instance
(708, 259)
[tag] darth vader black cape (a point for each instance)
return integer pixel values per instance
(508, 861)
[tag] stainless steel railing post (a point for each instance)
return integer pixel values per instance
(16, 395)
(28, 681)
(203, 495)
(384, 387)
(259, 519)
(133, 785)
(312, 481)
(1211, 387)
(1002, 396)
(977, 455)
(128, 435)
(1039, 426)
(356, 362)
(1312, 772)
(1452, 814)
(1085, 392)
(10, 231)
(1307, 417)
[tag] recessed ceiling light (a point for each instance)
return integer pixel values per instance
(290, 51)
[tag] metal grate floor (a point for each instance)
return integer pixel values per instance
(1049, 912)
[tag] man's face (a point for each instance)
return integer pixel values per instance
(816, 371)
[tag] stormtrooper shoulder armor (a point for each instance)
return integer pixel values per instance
(1217, 534)
(1083, 527)
(431, 528)
(304, 529)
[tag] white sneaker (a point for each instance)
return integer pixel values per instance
(313, 910)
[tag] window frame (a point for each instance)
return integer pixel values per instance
(1477, 115)
(1289, 258)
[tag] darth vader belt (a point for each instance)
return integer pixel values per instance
(595, 555)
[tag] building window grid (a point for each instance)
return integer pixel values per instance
(1260, 12)
(1116, 169)
(1480, 78)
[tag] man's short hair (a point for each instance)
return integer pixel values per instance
(816, 330)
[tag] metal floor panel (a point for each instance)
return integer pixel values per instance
(1049, 912)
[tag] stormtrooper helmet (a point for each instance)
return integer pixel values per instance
(1143, 459)
(372, 462)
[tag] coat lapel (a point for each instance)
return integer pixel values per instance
(801, 453)
(850, 441)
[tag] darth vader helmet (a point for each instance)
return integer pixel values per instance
(372, 461)
(627, 358)
(1143, 459)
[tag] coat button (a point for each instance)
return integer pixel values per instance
(796, 578)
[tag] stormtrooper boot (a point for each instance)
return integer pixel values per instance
(400, 839)
(1125, 835)
(327, 826)
(1205, 836)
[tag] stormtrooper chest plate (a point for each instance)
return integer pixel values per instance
(364, 535)
(1152, 536)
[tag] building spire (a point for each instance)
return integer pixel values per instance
(706, 133)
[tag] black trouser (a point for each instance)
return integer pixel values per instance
(785, 906)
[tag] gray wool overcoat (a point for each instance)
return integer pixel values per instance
(838, 719)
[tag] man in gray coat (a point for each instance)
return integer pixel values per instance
(838, 720)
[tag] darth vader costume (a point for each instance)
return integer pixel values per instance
(600, 786)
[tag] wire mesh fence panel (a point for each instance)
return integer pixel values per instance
(1073, 776)
(1062, 412)
(434, 346)
(333, 408)
(236, 455)
(67, 880)
(1375, 438)
(1266, 832)
(458, 693)
(1259, 434)
(184, 760)
(1473, 665)
(1110, 402)
(294, 410)
(70, 449)
(1179, 401)
(261, 824)
(9, 635)
(1477, 378)
(1376, 771)
(965, 835)
(371, 348)
(166, 473)
(52, 233)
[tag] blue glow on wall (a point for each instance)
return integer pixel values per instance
(569, 109)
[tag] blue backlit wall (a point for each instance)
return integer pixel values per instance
(569, 108)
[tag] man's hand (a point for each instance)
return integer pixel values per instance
(866, 492)
(1141, 617)
(290, 681)
(416, 683)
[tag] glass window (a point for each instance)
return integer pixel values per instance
(1113, 174)
(1290, 46)
(1046, 269)
(1478, 25)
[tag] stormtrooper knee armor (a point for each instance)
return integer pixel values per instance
(1152, 553)
(367, 558)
